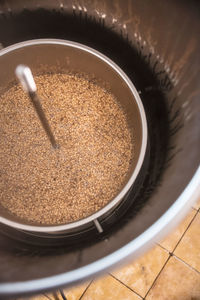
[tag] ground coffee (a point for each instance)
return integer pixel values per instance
(46, 186)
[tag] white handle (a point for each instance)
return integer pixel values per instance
(26, 79)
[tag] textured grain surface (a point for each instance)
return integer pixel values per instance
(50, 186)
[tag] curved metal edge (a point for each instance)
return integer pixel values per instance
(109, 206)
(139, 245)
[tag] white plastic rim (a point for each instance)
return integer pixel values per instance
(64, 227)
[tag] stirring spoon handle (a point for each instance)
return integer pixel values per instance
(27, 81)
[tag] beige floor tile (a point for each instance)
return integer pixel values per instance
(171, 241)
(197, 204)
(140, 274)
(108, 288)
(73, 293)
(189, 248)
(76, 292)
(49, 296)
(176, 282)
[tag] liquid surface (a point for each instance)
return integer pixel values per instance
(47, 186)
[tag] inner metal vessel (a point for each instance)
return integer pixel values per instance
(51, 55)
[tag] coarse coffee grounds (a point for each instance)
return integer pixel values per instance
(42, 185)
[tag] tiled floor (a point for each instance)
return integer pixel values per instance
(170, 271)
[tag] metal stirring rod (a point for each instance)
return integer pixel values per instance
(26, 79)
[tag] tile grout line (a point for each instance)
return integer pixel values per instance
(47, 296)
(62, 294)
(195, 208)
(198, 209)
(180, 259)
(164, 248)
(55, 295)
(171, 252)
(184, 232)
(128, 287)
(85, 290)
(170, 255)
(185, 263)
